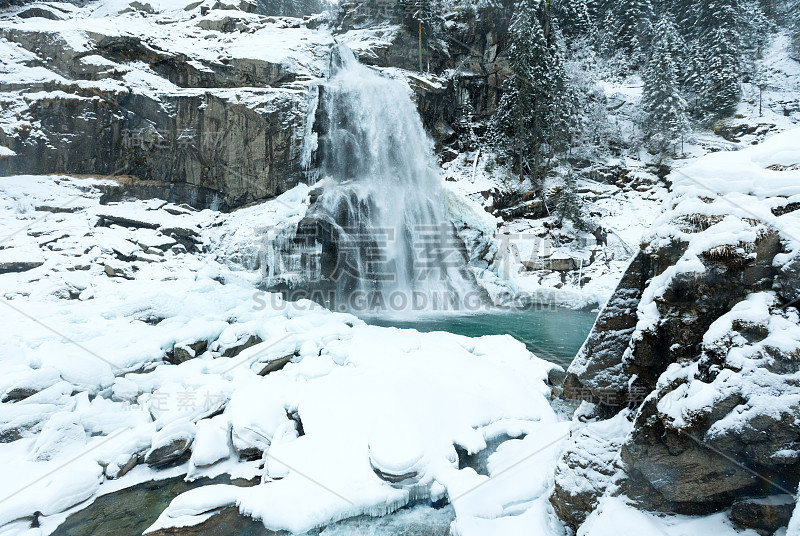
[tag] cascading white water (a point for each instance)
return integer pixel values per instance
(384, 206)
(387, 198)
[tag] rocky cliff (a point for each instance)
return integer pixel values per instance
(690, 376)
(465, 64)
(204, 103)
(208, 102)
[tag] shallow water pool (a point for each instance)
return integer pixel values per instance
(554, 335)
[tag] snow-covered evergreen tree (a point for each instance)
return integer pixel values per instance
(634, 27)
(754, 29)
(607, 43)
(596, 10)
(573, 17)
(664, 109)
(531, 121)
(718, 50)
(794, 24)
(589, 128)
(568, 205)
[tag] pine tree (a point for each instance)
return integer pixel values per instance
(569, 205)
(531, 120)
(634, 30)
(589, 133)
(663, 107)
(683, 12)
(718, 49)
(573, 17)
(754, 28)
(596, 10)
(794, 23)
(607, 43)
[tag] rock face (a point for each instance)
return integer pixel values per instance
(765, 515)
(229, 153)
(473, 47)
(700, 347)
(204, 128)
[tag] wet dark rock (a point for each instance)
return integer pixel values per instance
(686, 467)
(736, 132)
(596, 373)
(172, 452)
(132, 510)
(787, 283)
(122, 271)
(556, 376)
(19, 266)
(18, 393)
(225, 520)
(186, 351)
(266, 367)
(534, 208)
(126, 221)
(475, 48)
(204, 149)
(247, 452)
(39, 12)
(764, 515)
(121, 467)
(679, 470)
(185, 236)
(241, 345)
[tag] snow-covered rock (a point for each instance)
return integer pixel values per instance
(108, 377)
(702, 338)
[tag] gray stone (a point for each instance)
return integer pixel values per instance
(18, 393)
(241, 345)
(235, 152)
(118, 470)
(765, 515)
(118, 271)
(39, 12)
(225, 520)
(170, 453)
(266, 367)
(19, 266)
(186, 351)
(127, 221)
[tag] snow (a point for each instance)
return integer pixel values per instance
(750, 171)
(614, 517)
(365, 41)
(353, 398)
(590, 461)
(335, 453)
(100, 388)
(794, 523)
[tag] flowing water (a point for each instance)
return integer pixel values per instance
(131, 511)
(554, 335)
(388, 234)
(385, 213)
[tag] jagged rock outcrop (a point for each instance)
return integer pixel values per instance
(468, 61)
(159, 103)
(701, 341)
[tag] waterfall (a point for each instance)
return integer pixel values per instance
(387, 241)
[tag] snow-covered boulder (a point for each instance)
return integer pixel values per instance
(702, 340)
(170, 444)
